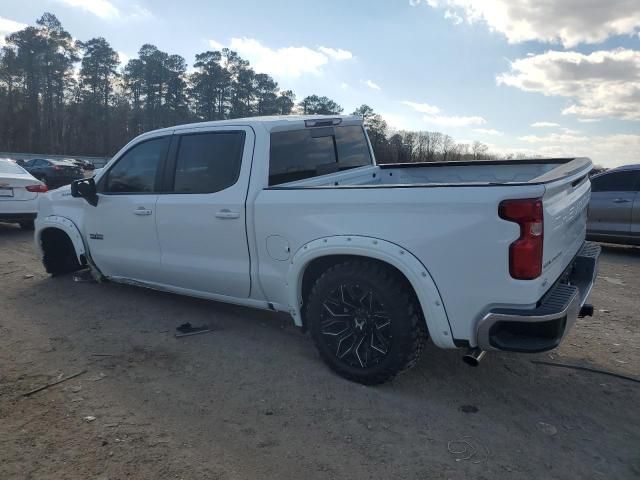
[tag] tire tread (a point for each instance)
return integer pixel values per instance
(389, 281)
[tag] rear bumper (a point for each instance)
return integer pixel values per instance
(544, 327)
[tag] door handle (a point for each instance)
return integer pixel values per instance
(142, 211)
(226, 213)
(621, 200)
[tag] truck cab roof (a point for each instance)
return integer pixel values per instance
(270, 123)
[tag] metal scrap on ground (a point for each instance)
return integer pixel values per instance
(39, 389)
(186, 329)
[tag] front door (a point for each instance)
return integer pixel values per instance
(201, 218)
(121, 229)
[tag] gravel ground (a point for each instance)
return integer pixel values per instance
(252, 399)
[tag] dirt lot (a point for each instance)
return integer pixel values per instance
(252, 400)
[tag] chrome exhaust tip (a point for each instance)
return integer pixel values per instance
(473, 357)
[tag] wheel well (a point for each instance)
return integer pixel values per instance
(319, 265)
(57, 244)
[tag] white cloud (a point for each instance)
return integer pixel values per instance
(422, 107)
(397, 122)
(607, 150)
(444, 120)
(7, 27)
(569, 22)
(601, 84)
(106, 10)
(563, 138)
(544, 124)
(570, 131)
(336, 53)
(372, 85)
(453, 16)
(453, 121)
(290, 62)
(344, 86)
(124, 58)
(215, 45)
(100, 8)
(588, 120)
(488, 131)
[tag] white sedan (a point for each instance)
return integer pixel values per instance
(19, 193)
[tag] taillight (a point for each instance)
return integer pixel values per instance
(525, 254)
(36, 188)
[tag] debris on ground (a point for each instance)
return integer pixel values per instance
(28, 276)
(468, 448)
(588, 369)
(89, 418)
(612, 281)
(187, 329)
(547, 428)
(84, 276)
(468, 409)
(39, 389)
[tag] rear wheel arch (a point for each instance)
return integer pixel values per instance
(314, 258)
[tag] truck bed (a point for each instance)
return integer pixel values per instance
(446, 215)
(492, 172)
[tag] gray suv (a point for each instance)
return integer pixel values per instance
(614, 210)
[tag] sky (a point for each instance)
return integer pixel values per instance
(546, 77)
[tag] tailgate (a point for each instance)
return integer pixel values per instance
(565, 204)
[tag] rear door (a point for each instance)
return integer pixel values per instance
(611, 205)
(201, 216)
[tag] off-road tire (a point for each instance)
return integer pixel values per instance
(406, 331)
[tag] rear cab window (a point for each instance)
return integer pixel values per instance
(311, 152)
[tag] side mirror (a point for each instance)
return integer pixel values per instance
(85, 188)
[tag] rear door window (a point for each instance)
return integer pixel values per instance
(624, 181)
(208, 162)
(310, 152)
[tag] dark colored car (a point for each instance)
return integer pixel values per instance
(54, 173)
(614, 209)
(19, 161)
(83, 164)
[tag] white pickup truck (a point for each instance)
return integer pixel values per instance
(293, 214)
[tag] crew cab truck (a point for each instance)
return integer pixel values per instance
(293, 214)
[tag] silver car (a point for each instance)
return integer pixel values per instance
(614, 210)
